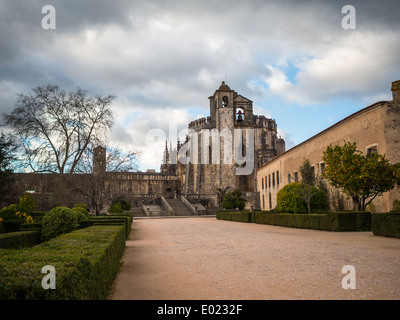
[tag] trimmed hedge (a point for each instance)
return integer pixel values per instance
(241, 216)
(86, 263)
(12, 225)
(124, 219)
(16, 240)
(332, 221)
(386, 224)
(38, 215)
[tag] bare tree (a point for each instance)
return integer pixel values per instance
(55, 127)
(220, 195)
(96, 188)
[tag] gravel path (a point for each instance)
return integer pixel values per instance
(209, 259)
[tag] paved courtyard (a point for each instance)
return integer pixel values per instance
(209, 259)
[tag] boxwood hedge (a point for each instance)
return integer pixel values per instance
(124, 219)
(386, 224)
(332, 221)
(16, 240)
(86, 263)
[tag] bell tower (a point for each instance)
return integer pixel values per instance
(222, 107)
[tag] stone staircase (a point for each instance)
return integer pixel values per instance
(179, 207)
(137, 212)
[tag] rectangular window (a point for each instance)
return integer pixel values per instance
(372, 150)
(277, 177)
(270, 201)
(296, 177)
(273, 179)
(263, 202)
(262, 183)
(322, 168)
(289, 178)
(269, 181)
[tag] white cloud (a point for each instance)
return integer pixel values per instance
(162, 59)
(358, 65)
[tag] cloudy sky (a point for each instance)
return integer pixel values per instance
(163, 59)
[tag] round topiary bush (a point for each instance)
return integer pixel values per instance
(82, 211)
(119, 206)
(234, 200)
(289, 200)
(115, 208)
(60, 220)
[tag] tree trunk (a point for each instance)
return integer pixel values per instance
(309, 207)
(62, 190)
(356, 203)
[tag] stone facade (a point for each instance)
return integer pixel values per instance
(219, 158)
(375, 129)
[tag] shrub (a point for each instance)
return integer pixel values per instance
(20, 211)
(125, 205)
(113, 220)
(244, 216)
(386, 224)
(12, 225)
(331, 221)
(115, 208)
(86, 268)
(396, 205)
(37, 216)
(60, 220)
(27, 203)
(81, 205)
(119, 206)
(233, 200)
(18, 240)
(290, 201)
(81, 211)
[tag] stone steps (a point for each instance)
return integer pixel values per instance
(179, 207)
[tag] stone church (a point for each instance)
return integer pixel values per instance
(223, 151)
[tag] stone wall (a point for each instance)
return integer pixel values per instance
(50, 190)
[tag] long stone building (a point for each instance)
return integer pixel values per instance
(375, 128)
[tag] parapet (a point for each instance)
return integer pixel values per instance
(202, 123)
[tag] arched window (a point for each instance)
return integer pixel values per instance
(239, 115)
(224, 101)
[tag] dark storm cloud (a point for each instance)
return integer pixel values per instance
(160, 55)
